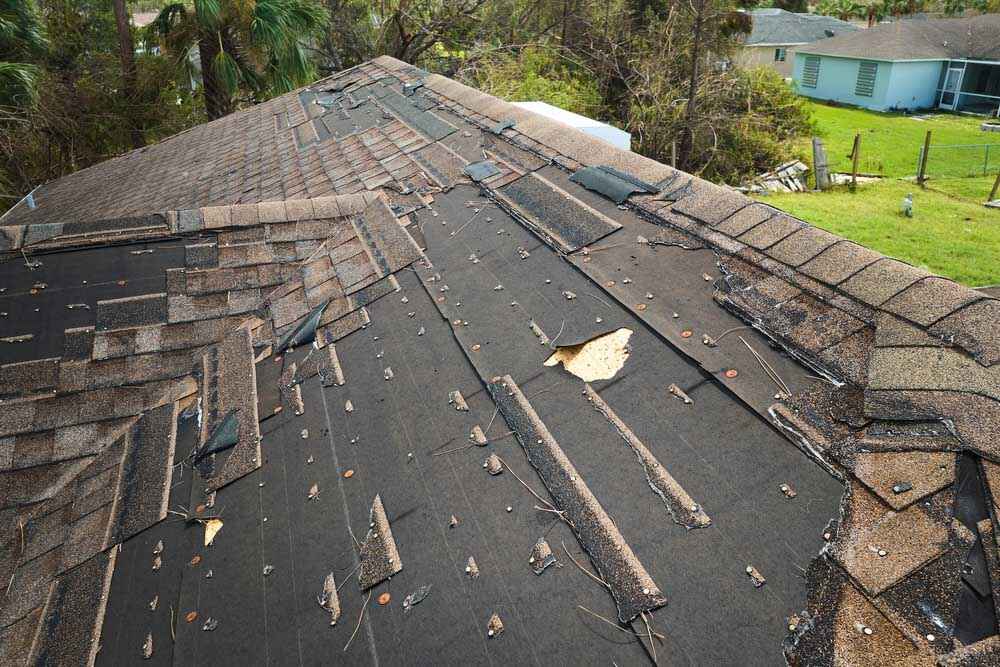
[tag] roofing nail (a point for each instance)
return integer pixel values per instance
(421, 331)
(626, 281)
(788, 491)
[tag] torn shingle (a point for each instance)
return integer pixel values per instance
(134, 311)
(379, 555)
(631, 586)
(563, 221)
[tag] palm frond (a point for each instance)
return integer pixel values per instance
(18, 84)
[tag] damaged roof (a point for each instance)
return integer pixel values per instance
(387, 369)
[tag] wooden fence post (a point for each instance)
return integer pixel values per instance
(996, 186)
(922, 173)
(855, 154)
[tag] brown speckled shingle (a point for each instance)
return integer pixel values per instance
(930, 299)
(975, 328)
(744, 219)
(839, 262)
(711, 204)
(881, 280)
(769, 232)
(802, 246)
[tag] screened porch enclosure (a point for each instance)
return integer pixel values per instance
(970, 86)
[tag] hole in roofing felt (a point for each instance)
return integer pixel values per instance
(599, 358)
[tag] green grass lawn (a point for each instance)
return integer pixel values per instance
(890, 143)
(951, 233)
(956, 238)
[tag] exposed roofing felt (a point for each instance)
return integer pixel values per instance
(975, 38)
(275, 390)
(779, 26)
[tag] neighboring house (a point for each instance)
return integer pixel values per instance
(777, 34)
(314, 322)
(951, 64)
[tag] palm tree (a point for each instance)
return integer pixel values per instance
(21, 37)
(251, 46)
(842, 9)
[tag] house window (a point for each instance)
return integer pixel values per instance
(810, 72)
(779, 55)
(867, 71)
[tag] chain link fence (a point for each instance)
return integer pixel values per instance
(960, 160)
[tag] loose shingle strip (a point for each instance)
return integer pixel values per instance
(681, 506)
(564, 222)
(630, 584)
(379, 555)
(229, 382)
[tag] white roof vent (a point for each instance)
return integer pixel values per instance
(603, 131)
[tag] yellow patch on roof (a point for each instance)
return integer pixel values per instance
(599, 358)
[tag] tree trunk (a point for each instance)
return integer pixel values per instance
(691, 108)
(217, 103)
(126, 48)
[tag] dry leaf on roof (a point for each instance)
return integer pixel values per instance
(599, 358)
(147, 647)
(212, 528)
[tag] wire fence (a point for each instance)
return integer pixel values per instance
(960, 160)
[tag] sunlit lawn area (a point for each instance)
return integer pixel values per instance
(956, 238)
(951, 232)
(890, 143)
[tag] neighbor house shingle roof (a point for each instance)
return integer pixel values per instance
(778, 26)
(975, 38)
(324, 322)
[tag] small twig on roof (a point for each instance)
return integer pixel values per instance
(542, 391)
(349, 575)
(467, 222)
(552, 343)
(594, 296)
(173, 634)
(729, 331)
(615, 625)
(652, 644)
(487, 429)
(585, 570)
(452, 451)
(360, 618)
(540, 499)
(769, 370)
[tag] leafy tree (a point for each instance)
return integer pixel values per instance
(800, 6)
(842, 9)
(249, 48)
(534, 74)
(22, 38)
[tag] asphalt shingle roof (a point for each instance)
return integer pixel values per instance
(275, 391)
(778, 26)
(975, 38)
